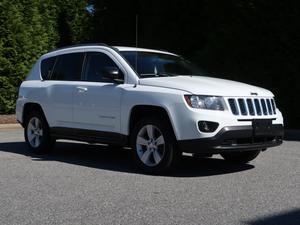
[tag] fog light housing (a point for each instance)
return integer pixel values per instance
(207, 126)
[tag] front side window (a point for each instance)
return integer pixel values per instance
(151, 64)
(47, 67)
(68, 67)
(96, 65)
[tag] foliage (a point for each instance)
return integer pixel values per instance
(29, 29)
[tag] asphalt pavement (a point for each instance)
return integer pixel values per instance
(92, 184)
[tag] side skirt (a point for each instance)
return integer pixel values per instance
(89, 136)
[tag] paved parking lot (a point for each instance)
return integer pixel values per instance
(91, 184)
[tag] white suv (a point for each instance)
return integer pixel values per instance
(153, 101)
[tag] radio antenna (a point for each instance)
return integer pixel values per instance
(136, 38)
(136, 29)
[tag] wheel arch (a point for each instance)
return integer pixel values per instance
(29, 107)
(141, 111)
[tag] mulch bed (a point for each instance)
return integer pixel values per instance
(5, 119)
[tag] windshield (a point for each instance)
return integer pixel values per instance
(149, 64)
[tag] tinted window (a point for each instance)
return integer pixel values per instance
(68, 67)
(47, 67)
(96, 64)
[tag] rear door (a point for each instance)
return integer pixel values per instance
(59, 87)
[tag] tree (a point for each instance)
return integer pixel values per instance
(72, 21)
(28, 29)
(12, 39)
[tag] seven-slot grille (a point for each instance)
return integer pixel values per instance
(252, 106)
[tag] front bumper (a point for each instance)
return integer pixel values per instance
(234, 138)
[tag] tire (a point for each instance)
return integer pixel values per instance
(154, 146)
(240, 157)
(37, 133)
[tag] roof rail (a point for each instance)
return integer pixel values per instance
(79, 45)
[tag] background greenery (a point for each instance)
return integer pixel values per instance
(252, 41)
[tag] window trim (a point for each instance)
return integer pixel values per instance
(85, 52)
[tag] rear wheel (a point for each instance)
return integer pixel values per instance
(37, 133)
(154, 145)
(240, 157)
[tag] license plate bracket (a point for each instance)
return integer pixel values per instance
(262, 127)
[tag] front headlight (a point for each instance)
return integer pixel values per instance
(205, 102)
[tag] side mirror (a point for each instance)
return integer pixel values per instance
(113, 74)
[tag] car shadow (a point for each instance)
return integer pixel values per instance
(292, 135)
(105, 158)
(286, 218)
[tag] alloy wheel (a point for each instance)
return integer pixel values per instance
(34, 132)
(150, 145)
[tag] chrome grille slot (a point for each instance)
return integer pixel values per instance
(242, 106)
(269, 107)
(252, 106)
(264, 107)
(233, 106)
(273, 106)
(257, 106)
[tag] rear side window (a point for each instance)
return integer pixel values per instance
(68, 67)
(47, 67)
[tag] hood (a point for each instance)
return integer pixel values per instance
(206, 86)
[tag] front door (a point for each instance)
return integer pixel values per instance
(96, 104)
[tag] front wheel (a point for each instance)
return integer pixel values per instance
(154, 145)
(240, 157)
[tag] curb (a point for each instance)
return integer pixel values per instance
(10, 126)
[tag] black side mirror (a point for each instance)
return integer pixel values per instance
(113, 74)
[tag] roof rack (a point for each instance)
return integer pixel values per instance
(80, 45)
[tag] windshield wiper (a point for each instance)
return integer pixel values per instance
(160, 74)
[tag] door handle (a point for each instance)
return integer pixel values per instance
(82, 89)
